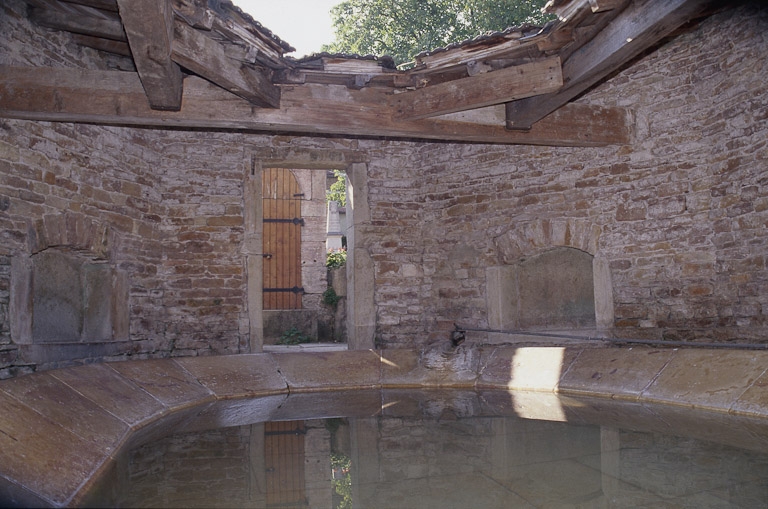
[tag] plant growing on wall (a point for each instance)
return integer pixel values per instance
(336, 257)
(338, 190)
(331, 298)
(342, 480)
(293, 336)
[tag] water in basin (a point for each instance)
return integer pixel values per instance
(446, 449)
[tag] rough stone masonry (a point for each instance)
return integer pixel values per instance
(676, 220)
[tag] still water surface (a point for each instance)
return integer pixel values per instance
(407, 449)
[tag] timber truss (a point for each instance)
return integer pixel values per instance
(206, 64)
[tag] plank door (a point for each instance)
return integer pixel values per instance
(284, 463)
(282, 239)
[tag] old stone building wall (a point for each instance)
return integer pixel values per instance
(679, 217)
(676, 222)
(168, 205)
(202, 230)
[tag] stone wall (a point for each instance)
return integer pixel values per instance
(202, 268)
(677, 220)
(679, 217)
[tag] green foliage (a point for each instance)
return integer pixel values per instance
(293, 336)
(330, 298)
(404, 28)
(342, 479)
(338, 190)
(336, 258)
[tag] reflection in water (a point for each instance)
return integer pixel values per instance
(449, 450)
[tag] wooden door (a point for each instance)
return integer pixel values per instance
(284, 463)
(282, 239)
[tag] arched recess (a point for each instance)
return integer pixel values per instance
(553, 278)
(361, 313)
(68, 290)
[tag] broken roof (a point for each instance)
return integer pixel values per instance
(206, 63)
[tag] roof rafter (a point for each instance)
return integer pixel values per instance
(57, 16)
(149, 27)
(206, 57)
(113, 97)
(495, 87)
(640, 26)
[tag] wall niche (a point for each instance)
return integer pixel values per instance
(69, 300)
(73, 298)
(551, 290)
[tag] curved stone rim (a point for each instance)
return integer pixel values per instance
(61, 429)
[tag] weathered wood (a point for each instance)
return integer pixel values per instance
(105, 5)
(516, 82)
(206, 57)
(79, 24)
(149, 26)
(109, 97)
(605, 5)
(281, 239)
(462, 56)
(637, 28)
(269, 51)
(108, 45)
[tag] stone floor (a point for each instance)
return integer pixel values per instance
(307, 347)
(60, 430)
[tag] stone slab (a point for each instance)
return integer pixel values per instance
(14, 495)
(615, 372)
(707, 378)
(41, 456)
(56, 427)
(166, 381)
(358, 369)
(754, 400)
(236, 376)
(529, 369)
(111, 391)
(434, 366)
(401, 368)
(68, 408)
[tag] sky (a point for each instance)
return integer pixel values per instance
(304, 24)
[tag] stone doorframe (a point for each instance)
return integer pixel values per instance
(361, 311)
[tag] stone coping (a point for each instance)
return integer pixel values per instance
(61, 430)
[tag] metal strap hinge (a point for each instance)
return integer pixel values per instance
(295, 220)
(295, 289)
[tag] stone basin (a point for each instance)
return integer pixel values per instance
(61, 430)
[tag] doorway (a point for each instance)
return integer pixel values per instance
(310, 168)
(281, 205)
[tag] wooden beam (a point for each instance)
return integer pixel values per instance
(206, 57)
(496, 87)
(149, 26)
(79, 23)
(105, 5)
(116, 98)
(108, 45)
(637, 28)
